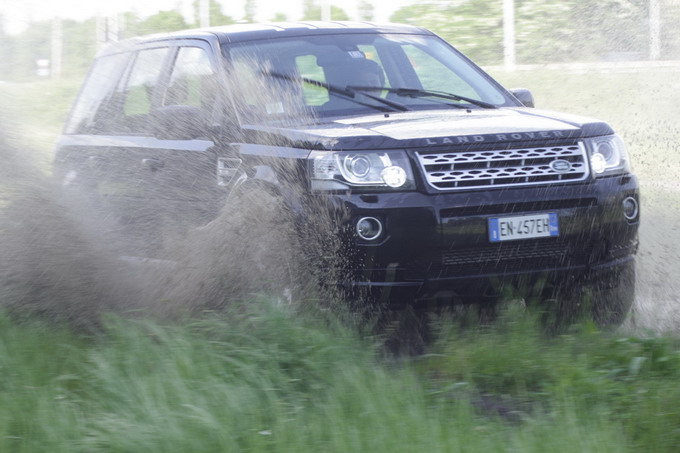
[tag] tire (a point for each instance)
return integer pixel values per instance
(605, 300)
(613, 297)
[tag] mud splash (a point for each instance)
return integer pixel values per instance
(63, 258)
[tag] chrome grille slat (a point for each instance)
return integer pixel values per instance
(512, 154)
(451, 170)
(496, 173)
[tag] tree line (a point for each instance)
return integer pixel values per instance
(546, 30)
(550, 30)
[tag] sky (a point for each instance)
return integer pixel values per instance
(18, 13)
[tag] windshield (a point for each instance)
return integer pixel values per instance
(354, 74)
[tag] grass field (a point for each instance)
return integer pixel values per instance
(264, 377)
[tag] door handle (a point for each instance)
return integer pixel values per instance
(153, 164)
(94, 161)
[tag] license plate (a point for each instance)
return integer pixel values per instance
(523, 227)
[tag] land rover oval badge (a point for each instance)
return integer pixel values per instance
(560, 165)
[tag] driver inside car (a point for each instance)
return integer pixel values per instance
(356, 73)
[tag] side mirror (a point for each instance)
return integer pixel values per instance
(179, 122)
(524, 96)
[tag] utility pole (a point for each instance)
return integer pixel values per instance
(509, 55)
(100, 31)
(107, 29)
(325, 10)
(56, 48)
(204, 13)
(654, 29)
(112, 29)
(249, 9)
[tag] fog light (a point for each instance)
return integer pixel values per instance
(630, 208)
(369, 228)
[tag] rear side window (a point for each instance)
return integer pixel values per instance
(120, 93)
(192, 81)
(142, 83)
(96, 92)
(128, 110)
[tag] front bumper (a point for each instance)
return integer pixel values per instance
(436, 243)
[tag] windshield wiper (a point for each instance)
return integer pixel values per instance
(348, 92)
(417, 92)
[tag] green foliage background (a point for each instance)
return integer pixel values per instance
(546, 30)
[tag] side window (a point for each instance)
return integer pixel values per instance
(265, 87)
(193, 81)
(96, 93)
(141, 84)
(434, 75)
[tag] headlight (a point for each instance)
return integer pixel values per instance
(607, 155)
(342, 170)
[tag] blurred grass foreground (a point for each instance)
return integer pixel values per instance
(268, 379)
(265, 377)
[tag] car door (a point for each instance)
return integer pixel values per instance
(178, 158)
(145, 150)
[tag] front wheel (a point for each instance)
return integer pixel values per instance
(613, 296)
(606, 299)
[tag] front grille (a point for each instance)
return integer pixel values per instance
(502, 258)
(557, 252)
(451, 170)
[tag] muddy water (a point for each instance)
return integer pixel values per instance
(62, 257)
(55, 260)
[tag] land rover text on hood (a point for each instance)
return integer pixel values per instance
(451, 185)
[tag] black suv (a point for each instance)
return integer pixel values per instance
(451, 184)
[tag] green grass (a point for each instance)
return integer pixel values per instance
(625, 380)
(265, 378)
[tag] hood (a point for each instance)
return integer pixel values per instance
(417, 129)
